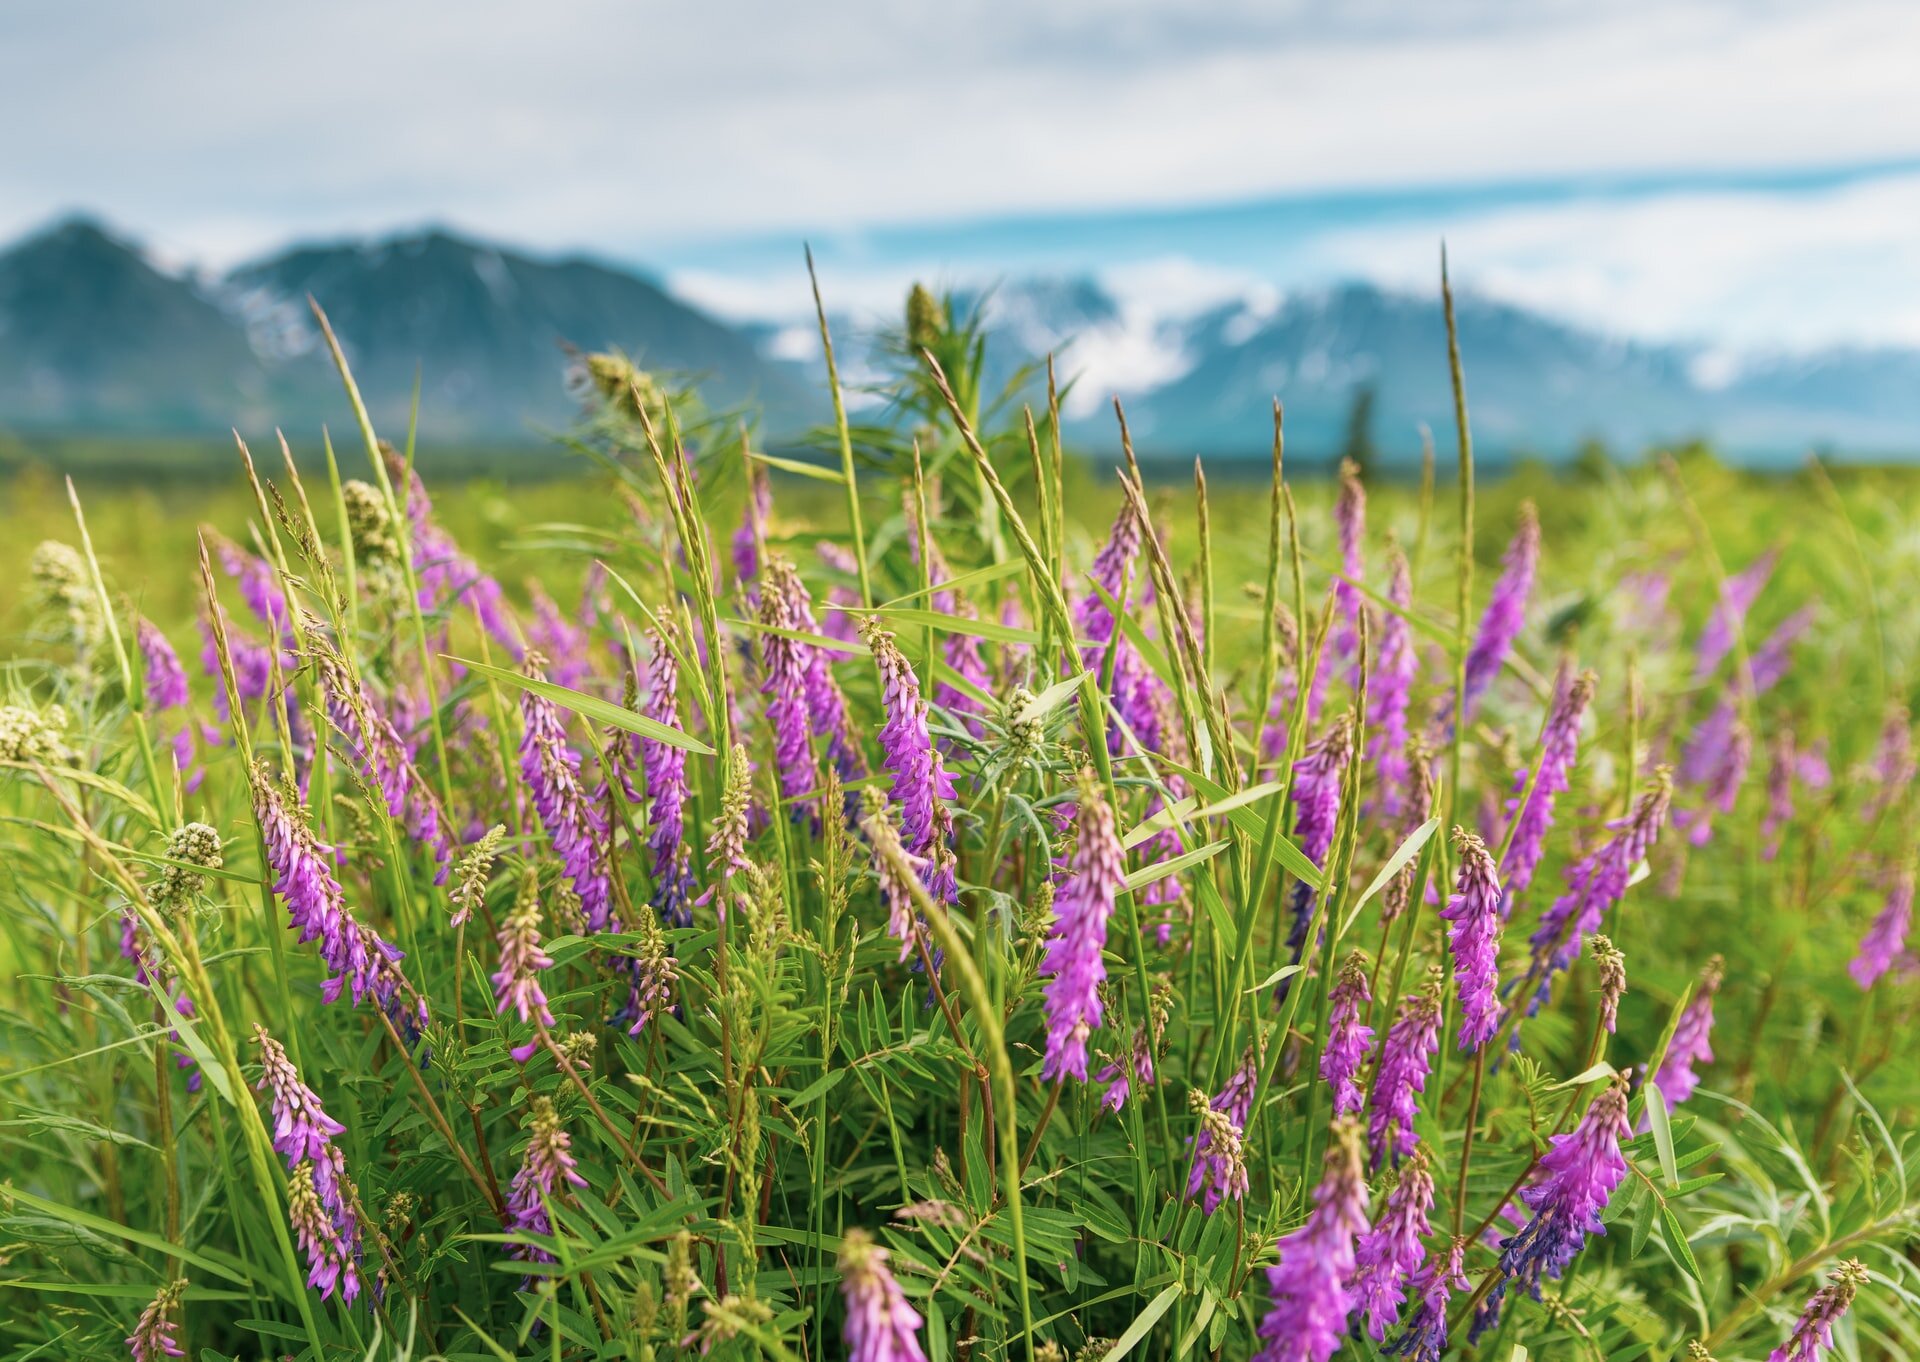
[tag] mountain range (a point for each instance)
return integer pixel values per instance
(96, 338)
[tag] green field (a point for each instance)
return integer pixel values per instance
(864, 1049)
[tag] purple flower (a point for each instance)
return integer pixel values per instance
(1348, 1037)
(1389, 691)
(1893, 764)
(259, 588)
(1611, 966)
(152, 1338)
(1309, 1286)
(881, 1326)
(727, 862)
(752, 532)
(1391, 1250)
(1559, 747)
(1692, 1042)
(516, 984)
(1073, 966)
(895, 868)
(164, 679)
(1716, 759)
(1405, 1060)
(1770, 661)
(1350, 516)
(783, 669)
(1737, 597)
(826, 705)
(1426, 1335)
(1121, 1073)
(1506, 611)
(919, 778)
(1093, 621)
(1888, 934)
(1594, 884)
(1577, 1178)
(321, 1196)
(1474, 911)
(1782, 767)
(1813, 1331)
(1317, 781)
(842, 600)
(666, 771)
(381, 756)
(1218, 1171)
(547, 1170)
(302, 1130)
(333, 1256)
(551, 770)
(559, 640)
(317, 905)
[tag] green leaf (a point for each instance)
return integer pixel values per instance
(805, 470)
(1144, 1321)
(588, 706)
(1662, 1135)
(1676, 1238)
(1160, 870)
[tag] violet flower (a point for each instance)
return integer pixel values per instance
(1350, 517)
(321, 1197)
(1390, 690)
(1559, 747)
(1474, 911)
(1577, 1179)
(1072, 965)
(752, 532)
(302, 1130)
(1740, 592)
(381, 756)
(1392, 1250)
(1121, 1073)
(547, 1170)
(1888, 934)
(1692, 1042)
(1893, 762)
(551, 770)
(152, 1337)
(1813, 1332)
(1093, 621)
(163, 679)
(1219, 1172)
(1506, 612)
(333, 1257)
(665, 767)
(826, 705)
(1309, 1287)
(1426, 1335)
(783, 669)
(881, 1326)
(559, 640)
(516, 984)
(1406, 1058)
(1770, 660)
(919, 777)
(1317, 783)
(1348, 1037)
(895, 868)
(259, 588)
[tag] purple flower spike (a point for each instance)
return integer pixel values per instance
(1888, 934)
(551, 770)
(1741, 591)
(1309, 1286)
(165, 680)
(1813, 1331)
(1506, 611)
(1073, 966)
(1392, 1250)
(896, 868)
(1770, 660)
(547, 1171)
(1350, 516)
(1426, 1335)
(333, 1258)
(881, 1326)
(1318, 778)
(1405, 1061)
(1474, 911)
(516, 984)
(666, 771)
(321, 1197)
(747, 540)
(727, 862)
(1559, 747)
(783, 667)
(1218, 1172)
(152, 1338)
(1093, 622)
(1348, 1037)
(1692, 1042)
(1389, 692)
(1577, 1179)
(919, 777)
(302, 1130)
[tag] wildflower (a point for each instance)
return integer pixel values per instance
(1813, 1331)
(559, 639)
(1720, 766)
(152, 1338)
(551, 770)
(1578, 1177)
(652, 977)
(881, 1326)
(919, 778)
(1219, 1171)
(783, 669)
(826, 705)
(381, 756)
(727, 842)
(1888, 934)
(1136, 1066)
(333, 1257)
(1073, 965)
(1350, 517)
(1768, 665)
(1391, 1250)
(1426, 1335)
(302, 1130)
(1093, 621)
(1594, 884)
(471, 875)
(666, 771)
(1532, 810)
(1348, 1038)
(1405, 1060)
(1893, 762)
(1390, 689)
(1781, 768)
(895, 867)
(163, 678)
(259, 588)
(1737, 596)
(516, 984)
(1311, 1298)
(547, 1170)
(1317, 781)
(1691, 1043)
(1612, 966)
(752, 533)
(1474, 911)
(1506, 612)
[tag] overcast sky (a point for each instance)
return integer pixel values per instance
(1652, 165)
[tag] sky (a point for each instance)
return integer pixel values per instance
(1734, 172)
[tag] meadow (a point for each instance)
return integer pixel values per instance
(956, 898)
